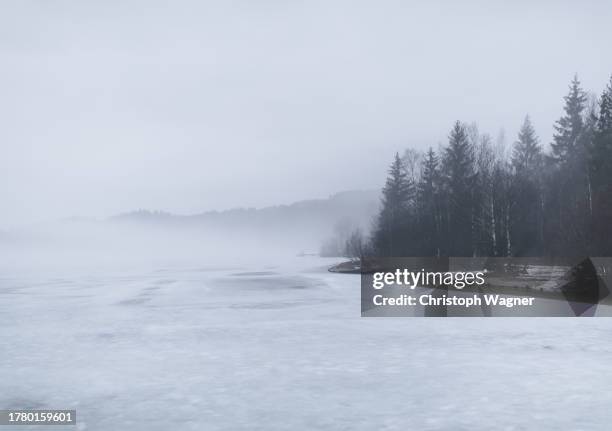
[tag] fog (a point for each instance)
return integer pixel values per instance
(69, 248)
(154, 239)
(169, 171)
(192, 106)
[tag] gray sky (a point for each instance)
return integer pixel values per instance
(189, 106)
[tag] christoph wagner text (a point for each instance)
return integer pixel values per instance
(490, 300)
(424, 278)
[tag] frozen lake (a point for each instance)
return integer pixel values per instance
(281, 346)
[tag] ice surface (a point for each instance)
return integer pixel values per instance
(280, 346)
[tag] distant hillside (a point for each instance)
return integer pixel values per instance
(315, 217)
(140, 235)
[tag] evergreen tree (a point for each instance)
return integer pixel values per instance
(601, 174)
(458, 168)
(428, 205)
(527, 153)
(430, 176)
(601, 150)
(398, 196)
(526, 215)
(569, 127)
(569, 182)
(604, 121)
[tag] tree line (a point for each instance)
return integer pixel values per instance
(475, 197)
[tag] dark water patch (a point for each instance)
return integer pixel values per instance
(213, 268)
(270, 283)
(150, 289)
(165, 281)
(21, 286)
(142, 299)
(276, 305)
(254, 274)
(13, 291)
(22, 404)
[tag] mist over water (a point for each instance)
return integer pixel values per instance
(146, 238)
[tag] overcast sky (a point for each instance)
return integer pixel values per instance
(190, 106)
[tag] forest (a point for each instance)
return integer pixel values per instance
(476, 196)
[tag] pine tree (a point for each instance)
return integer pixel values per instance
(398, 197)
(526, 212)
(569, 127)
(428, 205)
(527, 153)
(600, 162)
(601, 149)
(571, 181)
(604, 121)
(459, 180)
(429, 175)
(458, 155)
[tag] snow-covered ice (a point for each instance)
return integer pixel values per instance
(281, 346)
